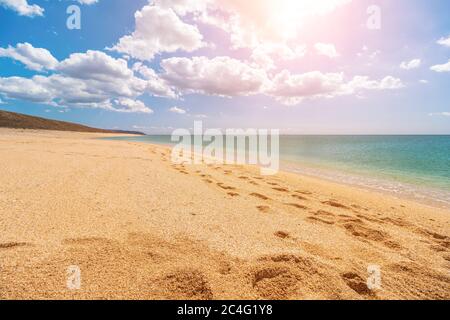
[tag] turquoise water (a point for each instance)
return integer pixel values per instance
(416, 166)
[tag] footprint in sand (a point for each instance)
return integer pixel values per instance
(225, 187)
(335, 204)
(274, 282)
(397, 222)
(363, 217)
(264, 209)
(364, 233)
(441, 242)
(281, 234)
(296, 205)
(286, 276)
(322, 216)
(303, 192)
(187, 284)
(357, 283)
(358, 207)
(11, 245)
(281, 189)
(324, 213)
(296, 196)
(260, 196)
(321, 220)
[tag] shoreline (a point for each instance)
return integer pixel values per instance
(362, 182)
(426, 195)
(140, 227)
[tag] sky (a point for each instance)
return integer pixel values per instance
(301, 66)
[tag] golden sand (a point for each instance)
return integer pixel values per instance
(139, 227)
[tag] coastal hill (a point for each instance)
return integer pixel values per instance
(22, 121)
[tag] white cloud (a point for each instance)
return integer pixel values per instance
(423, 81)
(24, 89)
(88, 2)
(130, 105)
(326, 49)
(94, 65)
(155, 84)
(37, 59)
(409, 65)
(177, 110)
(87, 80)
(23, 8)
(444, 41)
(221, 76)
(443, 114)
(363, 82)
(441, 67)
(159, 30)
(293, 89)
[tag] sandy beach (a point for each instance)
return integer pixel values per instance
(139, 227)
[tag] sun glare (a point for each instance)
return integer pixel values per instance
(287, 16)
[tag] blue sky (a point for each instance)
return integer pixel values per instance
(302, 66)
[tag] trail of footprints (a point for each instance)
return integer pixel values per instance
(353, 219)
(279, 276)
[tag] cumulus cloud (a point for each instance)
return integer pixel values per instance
(37, 59)
(94, 79)
(364, 82)
(88, 80)
(159, 30)
(130, 105)
(249, 23)
(444, 41)
(413, 64)
(441, 67)
(221, 76)
(23, 8)
(326, 49)
(155, 84)
(94, 65)
(177, 110)
(293, 89)
(24, 89)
